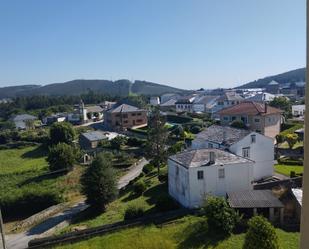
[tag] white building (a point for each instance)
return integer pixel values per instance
(244, 143)
(229, 98)
(154, 101)
(194, 174)
(185, 104)
(204, 103)
(298, 110)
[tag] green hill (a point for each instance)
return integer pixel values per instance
(287, 77)
(77, 87)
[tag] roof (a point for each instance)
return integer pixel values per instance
(298, 193)
(231, 96)
(94, 108)
(205, 99)
(22, 117)
(170, 102)
(250, 108)
(262, 97)
(200, 157)
(253, 199)
(94, 136)
(222, 134)
(124, 108)
(301, 130)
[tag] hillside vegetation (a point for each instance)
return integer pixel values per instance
(77, 87)
(287, 77)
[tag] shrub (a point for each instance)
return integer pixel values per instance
(163, 177)
(238, 124)
(134, 141)
(134, 211)
(220, 216)
(261, 235)
(61, 133)
(61, 156)
(139, 187)
(117, 142)
(195, 129)
(148, 168)
(166, 203)
(177, 147)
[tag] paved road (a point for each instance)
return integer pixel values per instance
(46, 228)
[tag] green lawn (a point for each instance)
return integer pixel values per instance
(185, 233)
(20, 160)
(285, 169)
(115, 210)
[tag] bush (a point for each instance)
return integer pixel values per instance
(238, 124)
(61, 156)
(117, 142)
(134, 141)
(261, 235)
(62, 133)
(166, 203)
(195, 129)
(163, 177)
(148, 168)
(220, 216)
(133, 212)
(139, 187)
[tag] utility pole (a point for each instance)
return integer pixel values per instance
(2, 231)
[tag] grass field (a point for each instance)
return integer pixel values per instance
(185, 233)
(285, 169)
(20, 160)
(115, 210)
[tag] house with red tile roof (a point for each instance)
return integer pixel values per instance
(257, 116)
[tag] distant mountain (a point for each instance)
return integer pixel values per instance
(288, 77)
(77, 87)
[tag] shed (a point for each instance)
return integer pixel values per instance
(259, 201)
(91, 139)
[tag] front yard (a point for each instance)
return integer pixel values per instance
(286, 169)
(185, 233)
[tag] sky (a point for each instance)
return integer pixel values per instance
(187, 44)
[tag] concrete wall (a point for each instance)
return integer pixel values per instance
(188, 190)
(261, 152)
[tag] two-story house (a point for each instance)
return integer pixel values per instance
(125, 116)
(257, 116)
(194, 174)
(227, 99)
(244, 143)
(185, 104)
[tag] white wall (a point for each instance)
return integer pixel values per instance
(191, 192)
(198, 108)
(262, 152)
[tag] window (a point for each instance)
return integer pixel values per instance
(126, 121)
(221, 173)
(139, 114)
(139, 120)
(253, 138)
(244, 119)
(256, 120)
(200, 175)
(246, 152)
(133, 114)
(125, 115)
(233, 118)
(226, 118)
(210, 145)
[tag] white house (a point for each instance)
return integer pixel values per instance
(298, 110)
(194, 174)
(245, 143)
(185, 104)
(204, 103)
(154, 101)
(227, 99)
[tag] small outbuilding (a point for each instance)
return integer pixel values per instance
(253, 202)
(91, 139)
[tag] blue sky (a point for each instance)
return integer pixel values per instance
(184, 43)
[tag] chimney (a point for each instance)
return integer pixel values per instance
(212, 157)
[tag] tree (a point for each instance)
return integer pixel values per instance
(99, 182)
(117, 142)
(291, 139)
(157, 138)
(260, 235)
(62, 133)
(238, 124)
(282, 103)
(220, 216)
(61, 156)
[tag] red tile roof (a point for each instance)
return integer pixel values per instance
(250, 108)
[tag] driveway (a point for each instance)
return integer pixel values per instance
(46, 228)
